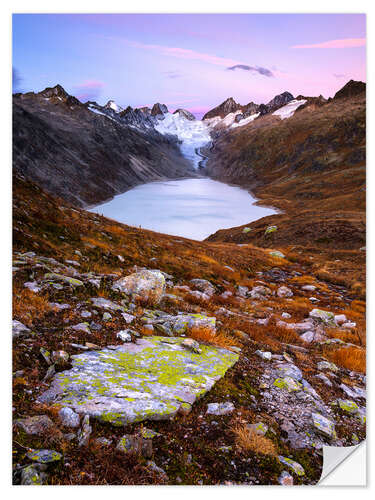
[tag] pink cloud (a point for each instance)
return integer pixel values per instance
(185, 54)
(344, 43)
(90, 84)
(88, 90)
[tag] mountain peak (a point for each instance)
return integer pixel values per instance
(350, 89)
(226, 107)
(111, 104)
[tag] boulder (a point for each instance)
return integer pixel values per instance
(203, 286)
(135, 444)
(68, 417)
(38, 425)
(150, 379)
(44, 456)
(294, 466)
(148, 286)
(326, 317)
(323, 425)
(19, 329)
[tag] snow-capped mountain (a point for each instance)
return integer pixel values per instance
(114, 106)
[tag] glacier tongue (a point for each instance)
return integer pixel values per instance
(192, 133)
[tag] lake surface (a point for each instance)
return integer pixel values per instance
(192, 208)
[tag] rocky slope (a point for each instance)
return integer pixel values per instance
(252, 359)
(86, 154)
(311, 166)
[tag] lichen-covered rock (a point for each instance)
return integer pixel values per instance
(147, 285)
(277, 253)
(326, 317)
(220, 408)
(66, 279)
(147, 380)
(33, 475)
(246, 230)
(348, 406)
(259, 428)
(288, 384)
(44, 456)
(184, 322)
(82, 327)
(326, 365)
(270, 230)
(323, 425)
(289, 370)
(158, 470)
(38, 425)
(294, 466)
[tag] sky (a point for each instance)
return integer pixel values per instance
(191, 61)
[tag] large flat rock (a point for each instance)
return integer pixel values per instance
(151, 379)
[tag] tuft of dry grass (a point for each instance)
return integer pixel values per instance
(28, 306)
(249, 440)
(351, 358)
(205, 334)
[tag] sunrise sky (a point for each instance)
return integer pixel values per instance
(189, 61)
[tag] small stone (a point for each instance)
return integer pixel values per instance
(124, 336)
(285, 479)
(270, 230)
(326, 365)
(220, 408)
(349, 325)
(323, 425)
(36, 426)
(85, 432)
(82, 327)
(129, 318)
(44, 456)
(325, 317)
(308, 336)
(284, 291)
(102, 441)
(85, 314)
(267, 356)
(107, 316)
(148, 285)
(68, 417)
(135, 444)
(324, 379)
(192, 345)
(46, 355)
(158, 470)
(148, 433)
(295, 466)
(276, 253)
(340, 319)
(308, 288)
(89, 345)
(286, 315)
(60, 358)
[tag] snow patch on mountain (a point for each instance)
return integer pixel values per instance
(288, 110)
(245, 121)
(193, 134)
(227, 121)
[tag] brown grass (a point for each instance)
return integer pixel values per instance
(352, 358)
(29, 306)
(249, 440)
(204, 334)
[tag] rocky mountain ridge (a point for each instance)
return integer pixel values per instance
(86, 153)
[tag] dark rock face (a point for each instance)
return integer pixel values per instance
(226, 107)
(71, 150)
(279, 100)
(185, 114)
(250, 109)
(350, 89)
(138, 118)
(159, 109)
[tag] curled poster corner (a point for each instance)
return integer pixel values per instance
(344, 466)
